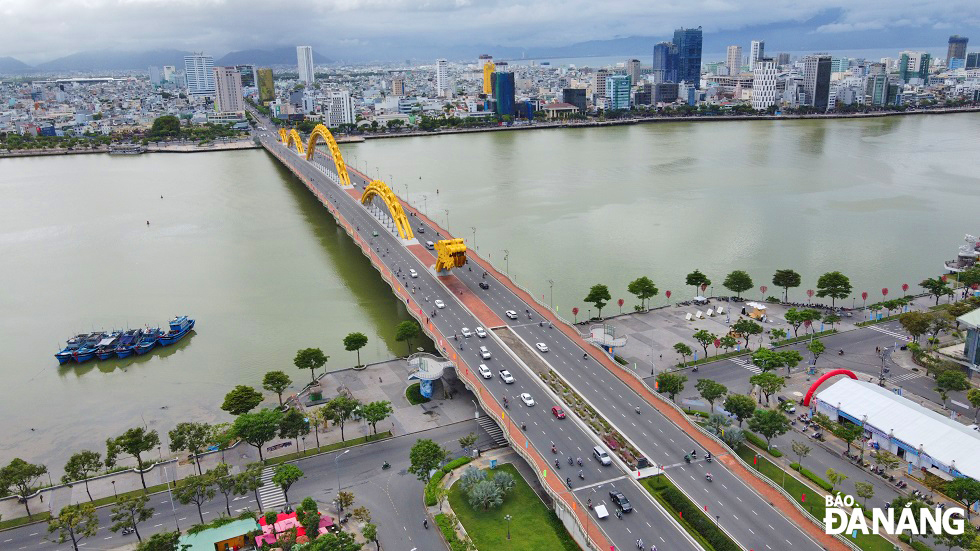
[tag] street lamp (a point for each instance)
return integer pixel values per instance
(336, 468)
(476, 409)
(507, 260)
(551, 288)
(447, 220)
(114, 490)
(507, 518)
(474, 235)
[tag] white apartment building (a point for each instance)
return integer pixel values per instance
(228, 90)
(339, 109)
(304, 62)
(169, 72)
(763, 84)
(199, 72)
(442, 78)
(734, 60)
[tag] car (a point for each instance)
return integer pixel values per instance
(484, 285)
(511, 314)
(484, 353)
(421, 229)
(558, 412)
(601, 456)
(466, 332)
(413, 273)
(789, 407)
(481, 332)
(526, 398)
(506, 376)
(485, 372)
(542, 347)
(439, 304)
(621, 501)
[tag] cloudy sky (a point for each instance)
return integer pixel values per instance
(35, 31)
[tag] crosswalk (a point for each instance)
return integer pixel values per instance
(747, 365)
(903, 378)
(493, 430)
(889, 332)
(270, 495)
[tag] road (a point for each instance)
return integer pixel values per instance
(393, 496)
(748, 517)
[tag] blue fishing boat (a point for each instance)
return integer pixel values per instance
(127, 343)
(67, 353)
(179, 326)
(86, 351)
(107, 346)
(148, 340)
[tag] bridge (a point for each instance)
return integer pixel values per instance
(753, 512)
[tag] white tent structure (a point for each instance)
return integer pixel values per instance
(924, 438)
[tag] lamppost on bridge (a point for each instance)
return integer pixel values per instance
(551, 288)
(507, 261)
(447, 219)
(474, 235)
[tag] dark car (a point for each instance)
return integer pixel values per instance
(484, 285)
(621, 501)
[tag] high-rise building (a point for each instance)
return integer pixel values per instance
(487, 67)
(839, 64)
(267, 86)
(442, 78)
(757, 51)
(876, 88)
(228, 90)
(957, 47)
(574, 96)
(503, 90)
(782, 59)
(198, 70)
(618, 91)
(734, 61)
(973, 60)
(599, 83)
(169, 73)
(633, 71)
(304, 64)
(156, 78)
(340, 109)
(398, 86)
(688, 57)
(763, 84)
(816, 81)
(248, 75)
(663, 63)
(913, 65)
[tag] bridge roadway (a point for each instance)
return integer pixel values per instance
(747, 516)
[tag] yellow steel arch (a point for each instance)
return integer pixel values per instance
(452, 254)
(295, 139)
(377, 188)
(283, 135)
(321, 131)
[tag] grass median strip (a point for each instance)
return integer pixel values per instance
(695, 522)
(328, 448)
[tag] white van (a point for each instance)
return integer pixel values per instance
(430, 245)
(601, 455)
(484, 353)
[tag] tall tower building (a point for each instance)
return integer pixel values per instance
(663, 67)
(228, 90)
(688, 57)
(488, 70)
(735, 60)
(169, 72)
(957, 48)
(633, 71)
(504, 93)
(267, 86)
(618, 91)
(763, 84)
(398, 86)
(816, 81)
(442, 78)
(198, 70)
(599, 83)
(913, 65)
(304, 63)
(757, 51)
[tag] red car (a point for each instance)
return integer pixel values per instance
(557, 412)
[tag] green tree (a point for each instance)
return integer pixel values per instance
(466, 442)
(684, 350)
(786, 279)
(711, 391)
(362, 514)
(257, 428)
(770, 424)
(161, 541)
(801, 450)
(225, 483)
(293, 425)
(598, 296)
(964, 490)
(967, 540)
(766, 359)
(354, 342)
(738, 281)
(344, 499)
(831, 319)
(167, 126)
(747, 328)
(193, 438)
(250, 480)
(129, 511)
(696, 279)
(135, 442)
(643, 288)
(370, 533)
(790, 358)
(728, 342)
(308, 515)
(286, 475)
(797, 318)
(704, 338)
(741, 406)
(340, 410)
(768, 383)
(864, 490)
(973, 396)
(197, 489)
(334, 541)
(915, 323)
(848, 433)
(276, 381)
(425, 456)
(671, 383)
(941, 321)
(834, 285)
(406, 331)
(950, 381)
(375, 412)
(241, 399)
(81, 466)
(75, 523)
(776, 335)
(835, 478)
(936, 287)
(312, 359)
(816, 347)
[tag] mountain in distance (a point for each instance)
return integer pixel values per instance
(285, 55)
(11, 66)
(111, 60)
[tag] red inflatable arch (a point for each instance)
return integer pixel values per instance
(813, 387)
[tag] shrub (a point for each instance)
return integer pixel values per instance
(812, 477)
(758, 442)
(700, 523)
(917, 545)
(433, 484)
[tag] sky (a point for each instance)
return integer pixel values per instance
(34, 31)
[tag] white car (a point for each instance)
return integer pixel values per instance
(440, 304)
(526, 398)
(466, 332)
(511, 314)
(542, 347)
(413, 273)
(506, 376)
(481, 332)
(485, 372)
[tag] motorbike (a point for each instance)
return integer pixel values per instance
(589, 504)
(554, 449)
(708, 458)
(385, 466)
(708, 477)
(557, 464)
(687, 458)
(581, 475)
(570, 460)
(579, 461)
(568, 482)
(840, 352)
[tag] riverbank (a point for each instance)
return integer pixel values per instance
(192, 147)
(645, 120)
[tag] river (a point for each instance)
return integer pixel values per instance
(240, 245)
